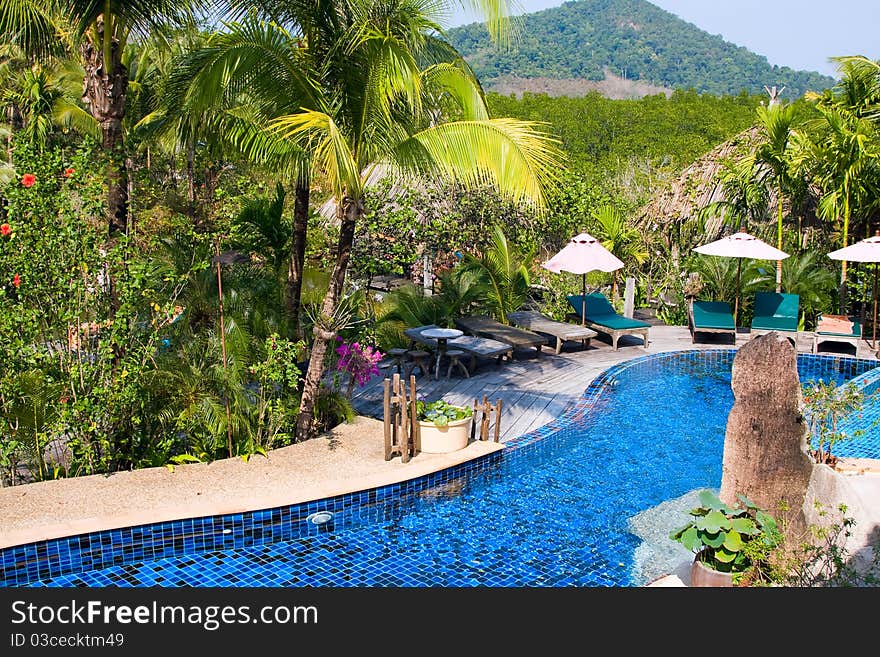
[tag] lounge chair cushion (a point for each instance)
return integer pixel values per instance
(837, 324)
(776, 311)
(600, 311)
(713, 315)
(783, 324)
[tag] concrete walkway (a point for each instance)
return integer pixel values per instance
(535, 390)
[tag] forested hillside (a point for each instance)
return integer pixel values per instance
(632, 39)
(601, 133)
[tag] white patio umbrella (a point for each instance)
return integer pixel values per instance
(741, 245)
(868, 250)
(583, 254)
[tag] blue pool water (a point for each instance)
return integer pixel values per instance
(553, 509)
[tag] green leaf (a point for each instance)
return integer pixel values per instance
(745, 526)
(689, 538)
(733, 542)
(766, 521)
(713, 540)
(724, 556)
(746, 501)
(709, 500)
(713, 522)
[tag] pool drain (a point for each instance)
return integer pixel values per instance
(320, 517)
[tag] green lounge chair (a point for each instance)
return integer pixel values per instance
(711, 317)
(776, 311)
(599, 315)
(852, 337)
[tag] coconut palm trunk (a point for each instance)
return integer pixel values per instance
(104, 93)
(846, 216)
(348, 212)
(779, 238)
(298, 250)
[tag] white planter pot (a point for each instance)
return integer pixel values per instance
(439, 440)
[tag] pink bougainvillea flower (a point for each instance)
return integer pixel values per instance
(69, 171)
(28, 180)
(16, 281)
(5, 230)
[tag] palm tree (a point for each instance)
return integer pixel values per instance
(807, 275)
(845, 156)
(845, 160)
(745, 199)
(502, 273)
(622, 240)
(773, 155)
(42, 98)
(371, 105)
(252, 72)
(97, 32)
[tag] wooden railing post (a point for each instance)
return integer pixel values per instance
(416, 429)
(400, 423)
(484, 424)
(386, 415)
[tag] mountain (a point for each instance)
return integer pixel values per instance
(596, 44)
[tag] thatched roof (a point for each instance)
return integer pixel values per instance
(695, 188)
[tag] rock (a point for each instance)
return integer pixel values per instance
(765, 445)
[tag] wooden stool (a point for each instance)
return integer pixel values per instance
(399, 356)
(420, 359)
(454, 356)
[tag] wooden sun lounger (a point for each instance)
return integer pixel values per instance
(486, 327)
(472, 345)
(562, 331)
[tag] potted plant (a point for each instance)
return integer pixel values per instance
(728, 542)
(443, 427)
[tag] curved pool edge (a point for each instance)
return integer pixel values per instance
(165, 533)
(416, 469)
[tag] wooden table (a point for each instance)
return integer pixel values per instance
(441, 335)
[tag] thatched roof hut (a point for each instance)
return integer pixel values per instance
(695, 188)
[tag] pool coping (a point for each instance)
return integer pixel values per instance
(414, 469)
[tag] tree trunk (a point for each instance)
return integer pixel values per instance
(191, 183)
(298, 252)
(104, 88)
(349, 211)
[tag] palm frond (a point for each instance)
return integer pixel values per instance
(513, 155)
(460, 85)
(317, 133)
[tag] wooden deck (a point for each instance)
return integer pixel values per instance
(536, 390)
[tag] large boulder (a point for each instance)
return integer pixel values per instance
(765, 445)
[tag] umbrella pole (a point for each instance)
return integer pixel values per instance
(874, 334)
(583, 299)
(736, 302)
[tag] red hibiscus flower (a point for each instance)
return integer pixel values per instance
(28, 180)
(16, 281)
(69, 171)
(5, 229)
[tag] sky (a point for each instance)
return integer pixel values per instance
(800, 34)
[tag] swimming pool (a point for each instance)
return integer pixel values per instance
(556, 508)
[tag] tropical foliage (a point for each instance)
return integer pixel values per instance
(188, 249)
